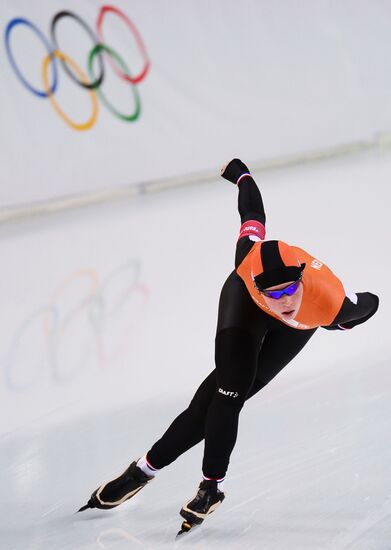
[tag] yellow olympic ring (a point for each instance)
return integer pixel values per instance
(84, 78)
(89, 275)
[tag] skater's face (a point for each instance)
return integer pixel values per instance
(286, 306)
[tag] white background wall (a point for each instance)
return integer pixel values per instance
(254, 79)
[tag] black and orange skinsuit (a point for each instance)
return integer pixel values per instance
(253, 344)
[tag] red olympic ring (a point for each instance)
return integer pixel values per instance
(140, 43)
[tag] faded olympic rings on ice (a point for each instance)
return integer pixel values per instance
(91, 82)
(86, 321)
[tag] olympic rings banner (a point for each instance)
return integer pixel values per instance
(97, 97)
(92, 82)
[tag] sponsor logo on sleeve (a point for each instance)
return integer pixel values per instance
(252, 229)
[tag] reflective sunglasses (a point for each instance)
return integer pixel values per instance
(276, 294)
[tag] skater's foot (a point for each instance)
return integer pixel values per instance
(206, 501)
(115, 492)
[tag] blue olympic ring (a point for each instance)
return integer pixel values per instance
(21, 21)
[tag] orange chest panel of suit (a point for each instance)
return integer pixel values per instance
(323, 292)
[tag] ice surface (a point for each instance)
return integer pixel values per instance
(311, 466)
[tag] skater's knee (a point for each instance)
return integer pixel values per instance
(230, 398)
(233, 394)
(198, 406)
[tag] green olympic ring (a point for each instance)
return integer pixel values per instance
(97, 49)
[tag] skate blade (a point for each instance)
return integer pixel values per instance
(185, 528)
(85, 507)
(82, 509)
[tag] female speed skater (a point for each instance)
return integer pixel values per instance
(270, 306)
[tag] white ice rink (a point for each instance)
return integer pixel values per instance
(107, 321)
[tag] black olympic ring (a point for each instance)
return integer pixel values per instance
(60, 15)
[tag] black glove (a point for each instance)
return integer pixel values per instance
(367, 306)
(234, 170)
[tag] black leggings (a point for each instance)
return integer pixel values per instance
(251, 349)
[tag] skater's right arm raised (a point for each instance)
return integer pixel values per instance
(250, 205)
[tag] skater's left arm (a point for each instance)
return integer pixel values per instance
(355, 310)
(250, 206)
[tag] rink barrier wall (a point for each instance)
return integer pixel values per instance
(132, 191)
